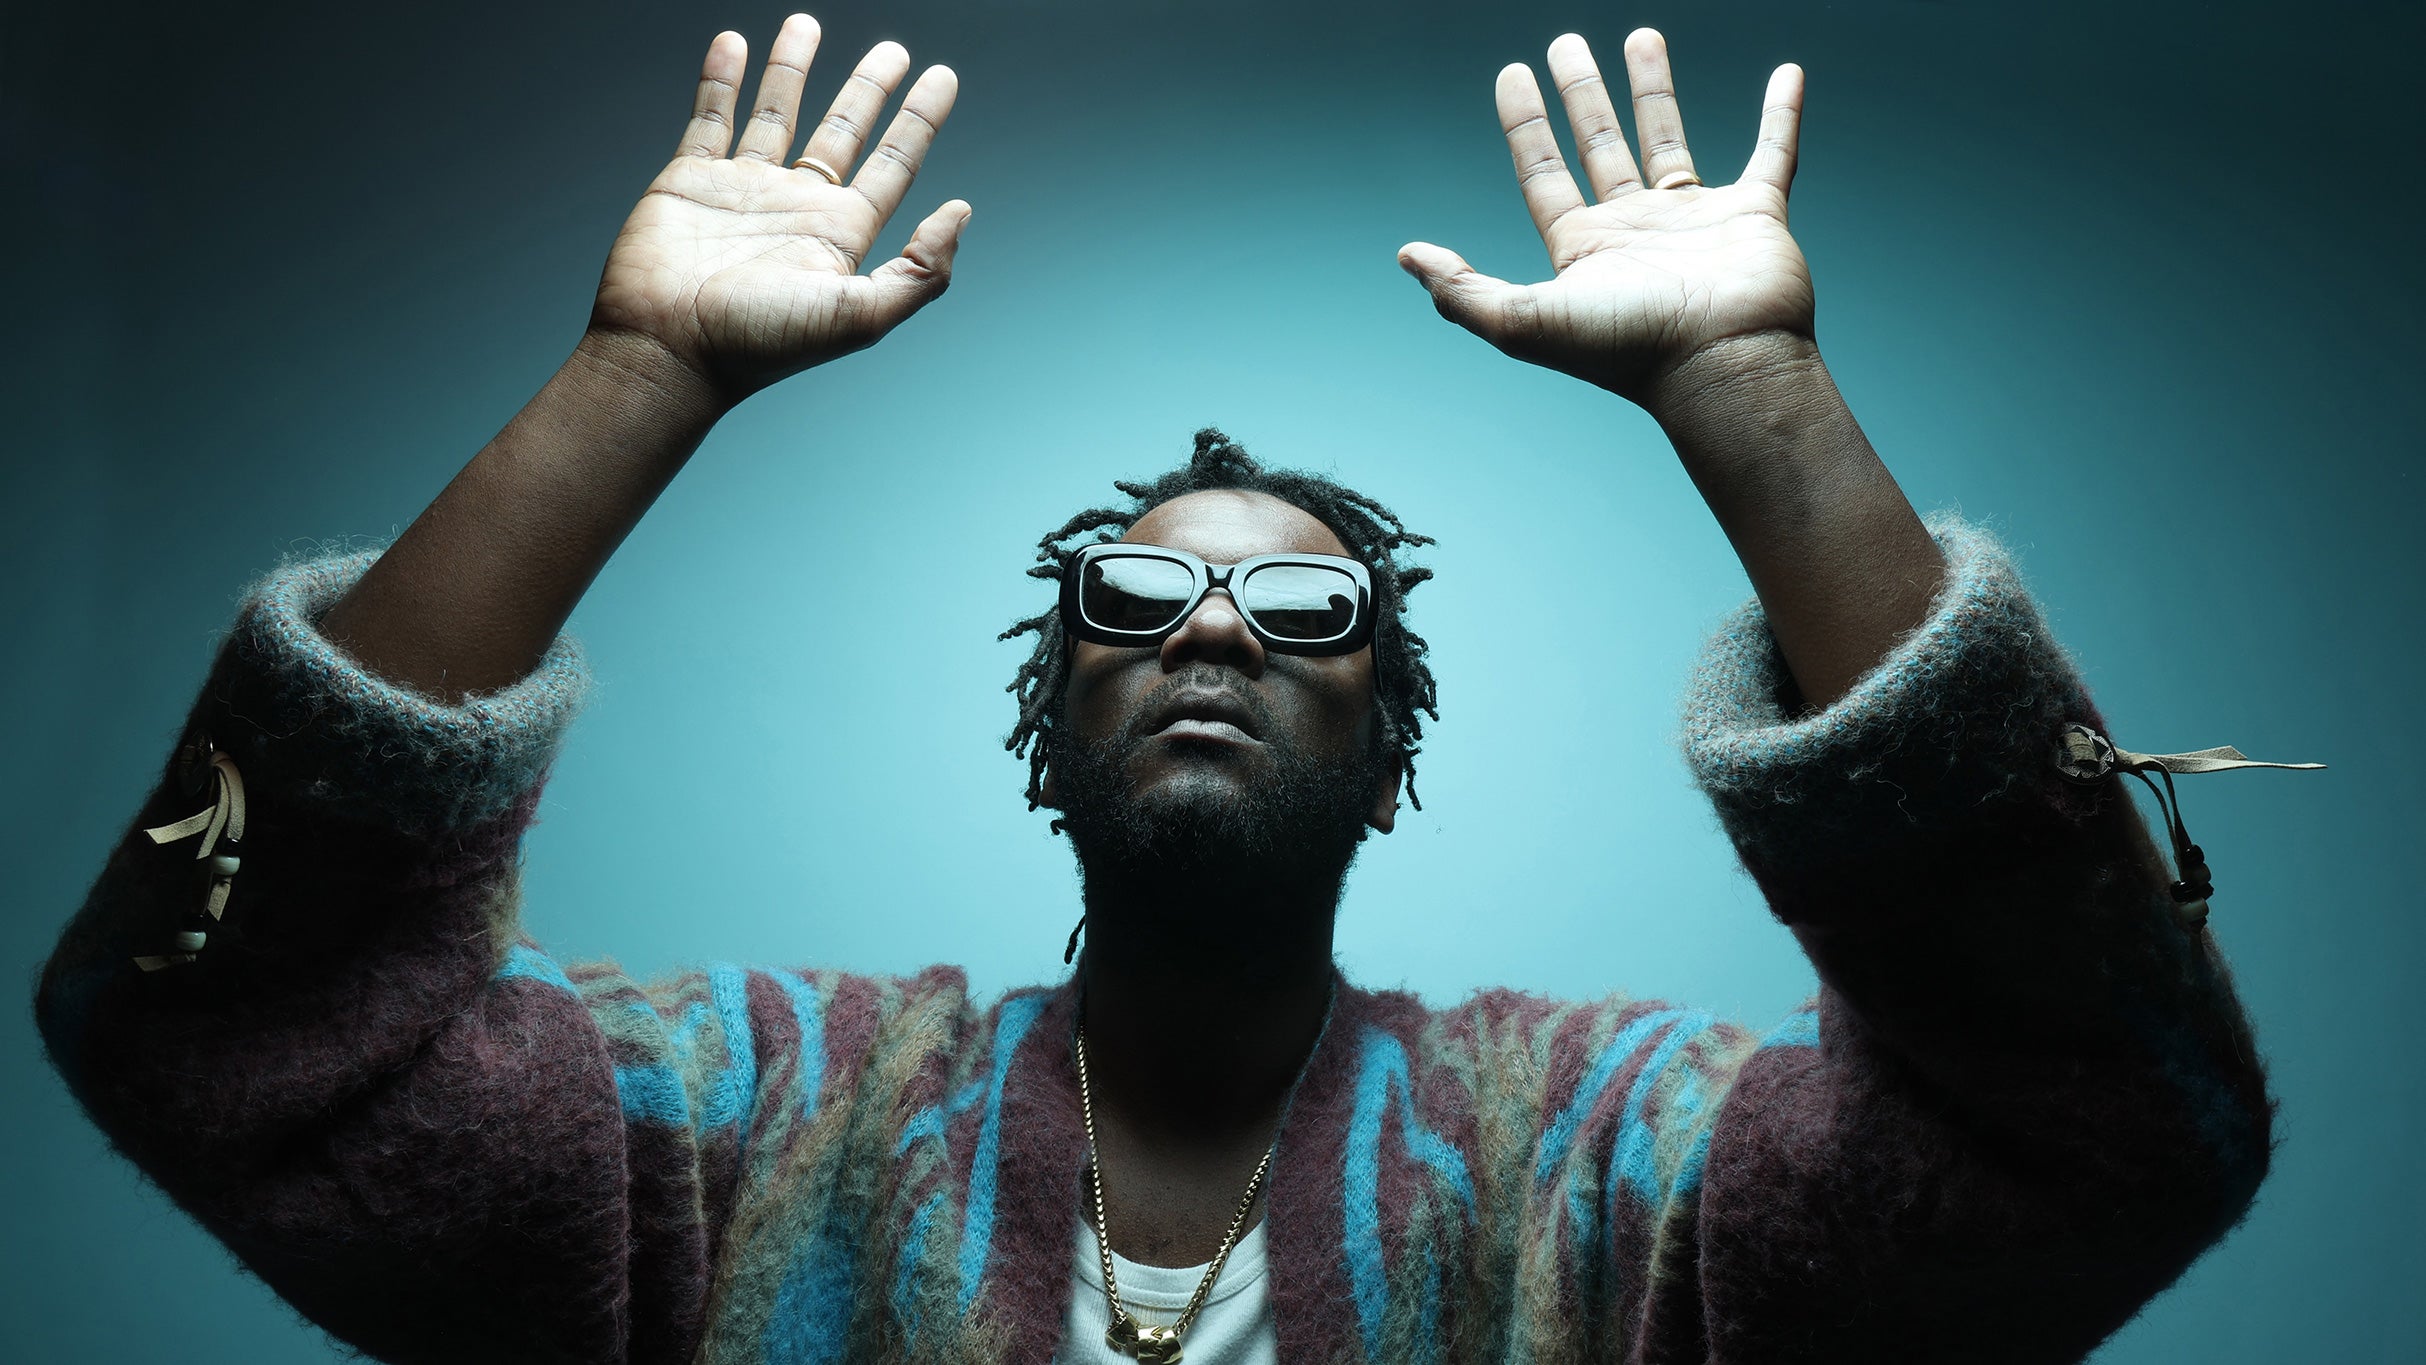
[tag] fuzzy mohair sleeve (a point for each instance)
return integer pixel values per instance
(2033, 1100)
(392, 1111)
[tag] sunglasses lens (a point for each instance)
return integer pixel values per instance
(1303, 602)
(1135, 593)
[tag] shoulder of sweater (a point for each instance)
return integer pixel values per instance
(1495, 1011)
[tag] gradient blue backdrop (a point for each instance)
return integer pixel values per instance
(2136, 286)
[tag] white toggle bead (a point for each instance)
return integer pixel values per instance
(190, 940)
(224, 864)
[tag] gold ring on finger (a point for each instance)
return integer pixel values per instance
(833, 177)
(1677, 180)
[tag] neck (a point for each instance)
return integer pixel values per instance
(1201, 1009)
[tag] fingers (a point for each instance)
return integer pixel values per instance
(1773, 156)
(1608, 163)
(1658, 124)
(923, 270)
(768, 135)
(843, 132)
(1493, 309)
(1541, 169)
(894, 164)
(711, 127)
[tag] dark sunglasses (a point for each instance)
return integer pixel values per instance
(1137, 595)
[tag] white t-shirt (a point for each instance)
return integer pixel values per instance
(1233, 1328)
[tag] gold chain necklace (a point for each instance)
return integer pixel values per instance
(1151, 1345)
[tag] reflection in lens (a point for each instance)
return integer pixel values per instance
(1135, 592)
(1300, 601)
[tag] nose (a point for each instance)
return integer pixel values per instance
(1214, 633)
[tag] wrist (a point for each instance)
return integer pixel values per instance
(1755, 370)
(1758, 424)
(626, 368)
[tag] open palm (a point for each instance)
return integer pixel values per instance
(1660, 267)
(746, 268)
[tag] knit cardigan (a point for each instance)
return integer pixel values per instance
(2022, 1101)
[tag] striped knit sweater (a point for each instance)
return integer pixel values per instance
(2021, 1103)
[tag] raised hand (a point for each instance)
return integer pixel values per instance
(745, 267)
(1660, 267)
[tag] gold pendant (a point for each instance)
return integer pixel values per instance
(1149, 1345)
(1158, 1346)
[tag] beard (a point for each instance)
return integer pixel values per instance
(1231, 829)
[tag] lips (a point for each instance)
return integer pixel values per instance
(1212, 715)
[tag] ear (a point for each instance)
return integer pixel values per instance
(1046, 795)
(1384, 815)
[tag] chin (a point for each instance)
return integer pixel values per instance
(1191, 772)
(1190, 767)
(1170, 802)
(1220, 819)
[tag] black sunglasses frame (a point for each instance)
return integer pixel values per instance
(1208, 576)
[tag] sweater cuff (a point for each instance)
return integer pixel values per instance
(295, 710)
(1958, 721)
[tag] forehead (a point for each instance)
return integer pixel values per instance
(1226, 525)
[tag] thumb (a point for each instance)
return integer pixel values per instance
(1477, 302)
(923, 270)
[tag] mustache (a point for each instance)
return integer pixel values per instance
(1194, 678)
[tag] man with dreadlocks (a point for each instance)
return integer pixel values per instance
(2022, 1102)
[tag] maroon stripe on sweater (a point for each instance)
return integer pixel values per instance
(1043, 1149)
(1575, 1043)
(1313, 1304)
(853, 1005)
(1498, 1013)
(775, 1043)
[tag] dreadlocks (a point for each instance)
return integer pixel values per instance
(1372, 533)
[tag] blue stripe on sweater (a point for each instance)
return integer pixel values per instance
(736, 1087)
(1636, 1140)
(527, 963)
(1561, 1136)
(809, 1014)
(977, 1232)
(1799, 1029)
(1380, 1061)
(652, 1094)
(1688, 1181)
(1682, 1104)
(905, 1275)
(811, 1320)
(931, 1121)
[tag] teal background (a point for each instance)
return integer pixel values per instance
(2133, 285)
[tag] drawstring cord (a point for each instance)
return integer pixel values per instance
(2087, 757)
(223, 820)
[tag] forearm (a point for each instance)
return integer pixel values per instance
(393, 1119)
(468, 599)
(2026, 1063)
(1840, 560)
(420, 1152)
